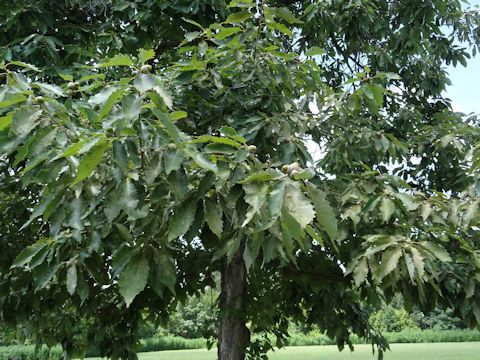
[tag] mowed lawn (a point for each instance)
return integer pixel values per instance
(438, 351)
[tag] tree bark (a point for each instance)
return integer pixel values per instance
(233, 334)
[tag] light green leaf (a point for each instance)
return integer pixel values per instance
(17, 98)
(410, 266)
(110, 102)
(227, 32)
(117, 60)
(25, 65)
(298, 205)
(173, 161)
(133, 279)
(314, 51)
(238, 17)
(5, 121)
(49, 89)
(213, 215)
(305, 174)
(27, 254)
(275, 200)
(90, 161)
(182, 219)
(145, 55)
(172, 130)
(177, 115)
(255, 196)
(418, 262)
(102, 96)
(437, 250)
(259, 176)
(387, 208)
(23, 120)
(147, 82)
(280, 27)
(285, 14)
(426, 211)
(216, 139)
(325, 215)
(360, 272)
(128, 200)
(408, 201)
(71, 279)
(389, 262)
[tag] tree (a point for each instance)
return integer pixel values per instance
(150, 155)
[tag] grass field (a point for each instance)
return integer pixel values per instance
(438, 351)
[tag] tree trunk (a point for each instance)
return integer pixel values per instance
(233, 334)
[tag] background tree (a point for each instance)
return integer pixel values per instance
(145, 173)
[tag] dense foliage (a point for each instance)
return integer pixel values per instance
(146, 146)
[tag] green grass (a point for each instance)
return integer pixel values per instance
(438, 351)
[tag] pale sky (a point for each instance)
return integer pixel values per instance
(464, 91)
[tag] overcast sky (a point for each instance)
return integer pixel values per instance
(465, 89)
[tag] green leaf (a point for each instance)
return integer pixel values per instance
(117, 60)
(325, 215)
(387, 208)
(238, 17)
(173, 161)
(182, 219)
(213, 215)
(145, 55)
(24, 120)
(172, 130)
(275, 200)
(410, 266)
(27, 254)
(5, 121)
(305, 174)
(285, 14)
(418, 262)
(128, 200)
(49, 89)
(389, 263)
(148, 82)
(299, 206)
(232, 133)
(120, 156)
(280, 27)
(110, 102)
(43, 274)
(314, 51)
(17, 98)
(408, 201)
(361, 271)
(437, 250)
(227, 32)
(165, 273)
(260, 176)
(25, 65)
(255, 196)
(102, 96)
(216, 139)
(90, 161)
(133, 279)
(177, 115)
(71, 279)
(121, 258)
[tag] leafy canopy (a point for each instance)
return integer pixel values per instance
(132, 166)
